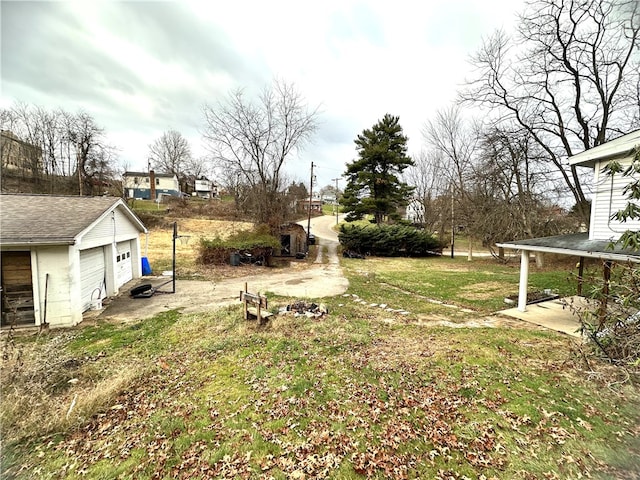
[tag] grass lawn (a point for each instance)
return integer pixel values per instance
(146, 206)
(360, 393)
(480, 285)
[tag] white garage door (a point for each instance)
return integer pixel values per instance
(124, 270)
(92, 275)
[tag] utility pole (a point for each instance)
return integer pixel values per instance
(309, 207)
(79, 174)
(173, 263)
(336, 180)
(453, 226)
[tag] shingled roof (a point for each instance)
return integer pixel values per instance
(577, 244)
(51, 219)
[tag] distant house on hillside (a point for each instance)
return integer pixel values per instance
(149, 186)
(304, 205)
(205, 188)
(17, 154)
(608, 198)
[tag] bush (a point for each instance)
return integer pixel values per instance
(611, 322)
(258, 242)
(389, 241)
(196, 207)
(154, 220)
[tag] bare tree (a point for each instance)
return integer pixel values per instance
(509, 189)
(29, 131)
(251, 140)
(454, 140)
(88, 140)
(570, 81)
(171, 153)
(53, 146)
(426, 175)
(197, 167)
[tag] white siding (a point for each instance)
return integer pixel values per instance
(167, 183)
(129, 182)
(607, 200)
(112, 228)
(54, 261)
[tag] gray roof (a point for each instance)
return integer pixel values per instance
(617, 148)
(574, 244)
(146, 174)
(52, 219)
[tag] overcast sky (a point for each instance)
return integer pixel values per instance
(141, 68)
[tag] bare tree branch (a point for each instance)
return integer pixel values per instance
(252, 140)
(571, 82)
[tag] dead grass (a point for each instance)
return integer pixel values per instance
(157, 245)
(46, 389)
(484, 290)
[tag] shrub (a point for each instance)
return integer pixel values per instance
(611, 322)
(258, 242)
(389, 240)
(197, 207)
(154, 220)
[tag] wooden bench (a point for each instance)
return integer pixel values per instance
(258, 302)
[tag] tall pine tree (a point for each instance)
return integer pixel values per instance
(373, 183)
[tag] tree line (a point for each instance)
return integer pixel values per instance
(66, 151)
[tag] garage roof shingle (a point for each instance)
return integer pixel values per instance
(27, 218)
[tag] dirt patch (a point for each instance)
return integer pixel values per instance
(483, 290)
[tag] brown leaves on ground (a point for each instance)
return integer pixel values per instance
(382, 409)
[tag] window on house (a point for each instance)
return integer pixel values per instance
(146, 180)
(157, 181)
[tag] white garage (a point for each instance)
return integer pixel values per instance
(124, 266)
(60, 254)
(92, 274)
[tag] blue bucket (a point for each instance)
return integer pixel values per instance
(146, 268)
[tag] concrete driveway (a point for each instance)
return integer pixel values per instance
(322, 279)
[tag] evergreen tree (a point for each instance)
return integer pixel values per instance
(373, 185)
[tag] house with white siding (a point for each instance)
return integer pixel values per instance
(414, 212)
(204, 188)
(150, 186)
(61, 255)
(608, 198)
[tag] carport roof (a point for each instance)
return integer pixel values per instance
(27, 219)
(577, 244)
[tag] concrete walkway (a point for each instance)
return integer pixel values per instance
(554, 314)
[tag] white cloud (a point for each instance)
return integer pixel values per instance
(141, 67)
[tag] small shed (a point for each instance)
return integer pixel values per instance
(293, 240)
(61, 255)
